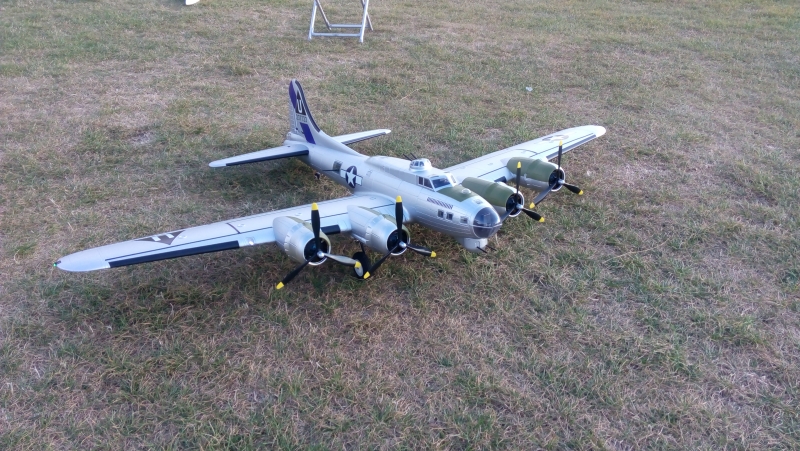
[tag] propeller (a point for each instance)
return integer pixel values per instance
(558, 182)
(532, 214)
(320, 255)
(422, 250)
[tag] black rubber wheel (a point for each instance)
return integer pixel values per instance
(362, 258)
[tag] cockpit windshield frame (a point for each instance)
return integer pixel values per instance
(443, 181)
(440, 182)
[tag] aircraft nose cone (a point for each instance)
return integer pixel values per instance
(486, 223)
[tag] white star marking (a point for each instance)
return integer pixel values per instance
(351, 177)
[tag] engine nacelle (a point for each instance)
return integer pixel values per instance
(377, 231)
(296, 238)
(501, 196)
(537, 174)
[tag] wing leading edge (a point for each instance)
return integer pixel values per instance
(219, 236)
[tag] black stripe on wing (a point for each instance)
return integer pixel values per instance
(175, 254)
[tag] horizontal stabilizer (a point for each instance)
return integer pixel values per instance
(361, 136)
(293, 150)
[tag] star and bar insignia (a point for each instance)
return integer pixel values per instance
(351, 175)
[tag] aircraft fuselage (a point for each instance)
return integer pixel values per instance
(430, 196)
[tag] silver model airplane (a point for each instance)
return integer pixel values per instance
(468, 201)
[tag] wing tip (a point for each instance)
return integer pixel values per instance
(599, 130)
(74, 263)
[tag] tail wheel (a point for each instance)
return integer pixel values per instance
(362, 258)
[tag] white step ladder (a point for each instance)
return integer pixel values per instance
(365, 22)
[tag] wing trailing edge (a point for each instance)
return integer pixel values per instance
(276, 153)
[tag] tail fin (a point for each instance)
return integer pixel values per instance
(300, 119)
(302, 123)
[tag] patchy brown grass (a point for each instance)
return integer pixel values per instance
(660, 310)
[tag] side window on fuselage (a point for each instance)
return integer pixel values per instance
(424, 182)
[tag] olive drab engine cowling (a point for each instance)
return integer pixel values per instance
(499, 195)
(536, 173)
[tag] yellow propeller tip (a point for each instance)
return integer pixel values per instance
(519, 165)
(366, 275)
(314, 206)
(541, 219)
(399, 199)
(580, 193)
(279, 286)
(559, 143)
(433, 254)
(532, 205)
(358, 264)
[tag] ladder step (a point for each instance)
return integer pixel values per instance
(338, 35)
(345, 25)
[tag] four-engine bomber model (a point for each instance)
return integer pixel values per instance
(469, 201)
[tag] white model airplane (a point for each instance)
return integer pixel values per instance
(468, 201)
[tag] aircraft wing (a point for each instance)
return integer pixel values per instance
(218, 236)
(492, 167)
(291, 150)
(361, 136)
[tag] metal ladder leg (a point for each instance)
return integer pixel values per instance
(365, 22)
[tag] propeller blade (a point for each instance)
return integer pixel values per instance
(360, 271)
(533, 215)
(315, 224)
(559, 155)
(573, 188)
(398, 215)
(542, 195)
(347, 261)
(315, 227)
(291, 275)
(422, 250)
(380, 262)
(508, 212)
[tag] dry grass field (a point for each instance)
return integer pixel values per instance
(660, 310)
